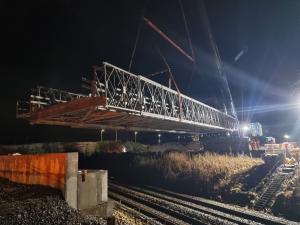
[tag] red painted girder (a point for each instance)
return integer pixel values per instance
(69, 107)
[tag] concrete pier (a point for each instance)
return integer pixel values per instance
(84, 190)
(92, 188)
(70, 192)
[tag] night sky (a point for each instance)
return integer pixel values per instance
(54, 43)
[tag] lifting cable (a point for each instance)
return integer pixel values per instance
(156, 73)
(135, 44)
(137, 37)
(169, 70)
(217, 55)
(190, 43)
(174, 82)
(187, 29)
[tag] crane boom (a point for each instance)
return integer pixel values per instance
(155, 28)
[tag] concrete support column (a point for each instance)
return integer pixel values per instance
(92, 189)
(70, 193)
(102, 186)
(87, 189)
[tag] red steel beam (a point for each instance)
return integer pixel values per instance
(154, 27)
(69, 107)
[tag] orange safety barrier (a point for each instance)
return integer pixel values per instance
(42, 169)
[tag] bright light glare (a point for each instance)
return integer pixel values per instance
(286, 136)
(245, 128)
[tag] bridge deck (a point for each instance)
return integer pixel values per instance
(91, 112)
(122, 100)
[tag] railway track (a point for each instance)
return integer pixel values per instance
(270, 193)
(148, 211)
(184, 209)
(136, 214)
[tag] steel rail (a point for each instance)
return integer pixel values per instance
(232, 210)
(197, 207)
(183, 212)
(163, 217)
(137, 214)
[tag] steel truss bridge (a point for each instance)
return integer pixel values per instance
(122, 100)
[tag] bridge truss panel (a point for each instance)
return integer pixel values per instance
(122, 100)
(139, 95)
(42, 97)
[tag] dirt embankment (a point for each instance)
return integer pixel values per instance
(208, 175)
(287, 203)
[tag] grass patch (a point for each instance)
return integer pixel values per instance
(211, 170)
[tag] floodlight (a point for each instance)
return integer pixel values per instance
(245, 128)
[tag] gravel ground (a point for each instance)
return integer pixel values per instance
(128, 216)
(24, 204)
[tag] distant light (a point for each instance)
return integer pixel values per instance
(172, 131)
(135, 132)
(245, 128)
(102, 130)
(227, 134)
(286, 136)
(159, 135)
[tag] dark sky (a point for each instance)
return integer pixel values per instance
(53, 43)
